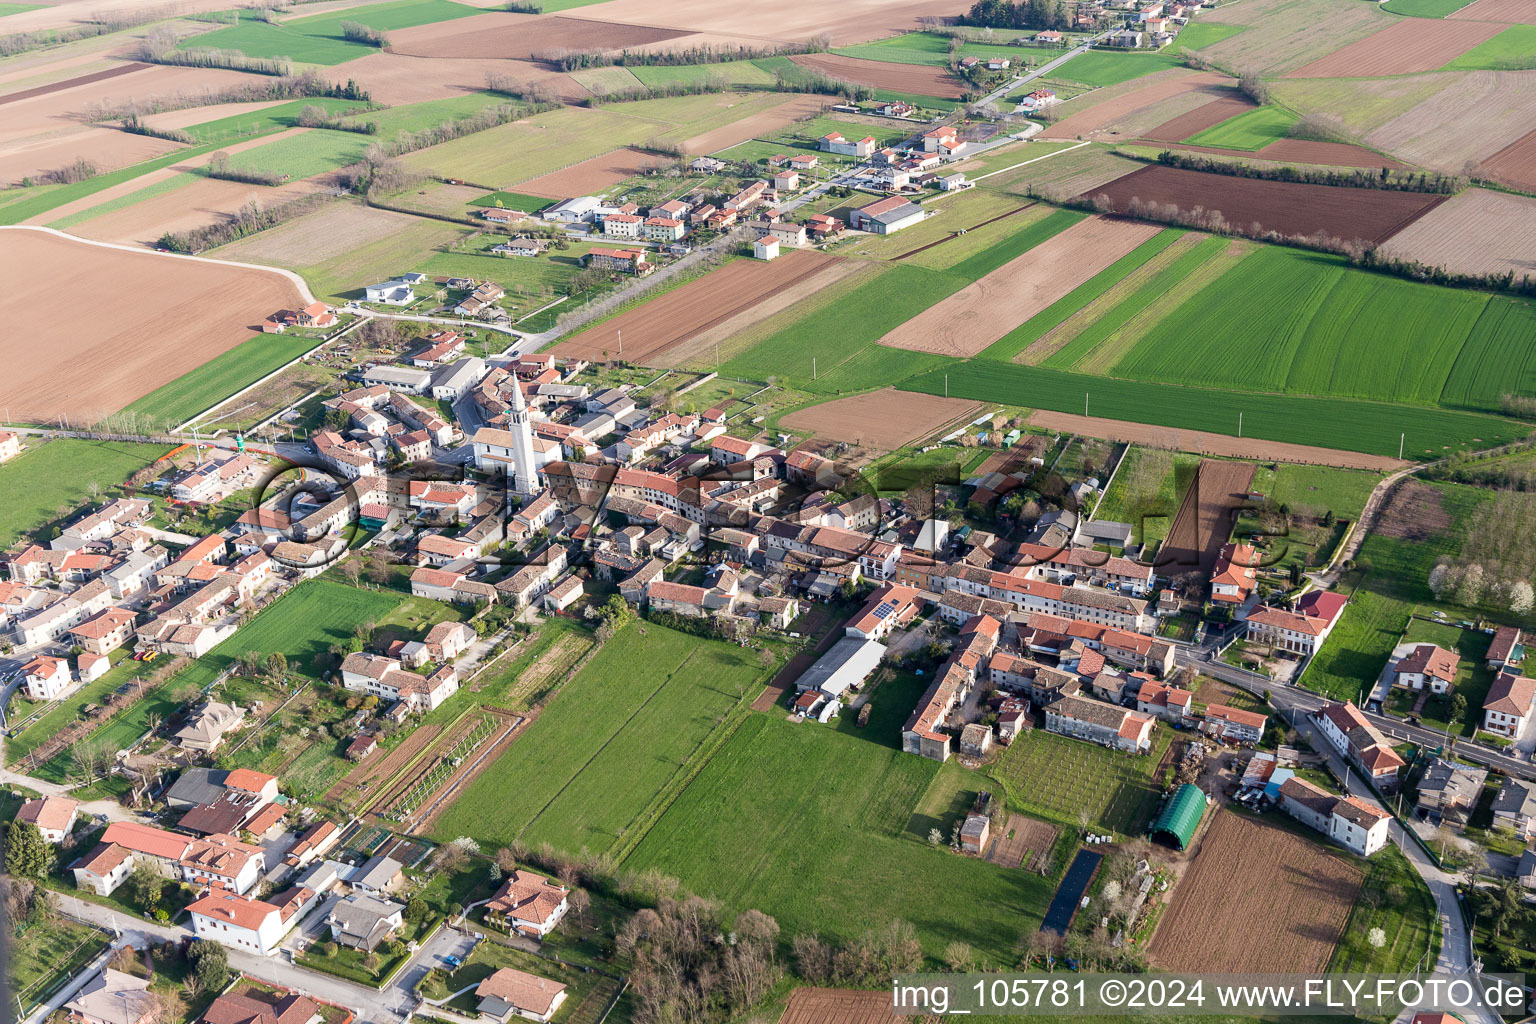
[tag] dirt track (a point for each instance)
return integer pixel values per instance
(1410, 45)
(886, 419)
(1224, 445)
(653, 328)
(138, 321)
(1289, 208)
(984, 311)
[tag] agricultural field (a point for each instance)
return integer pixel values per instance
(1281, 35)
(890, 80)
(530, 281)
(1081, 784)
(249, 121)
(49, 481)
(1250, 131)
(186, 396)
(1249, 870)
(808, 823)
(1146, 492)
(1424, 8)
(1411, 45)
(317, 39)
(1103, 67)
(1479, 231)
(1513, 49)
(1200, 34)
(1065, 174)
(736, 72)
(579, 782)
(883, 420)
(933, 50)
(305, 154)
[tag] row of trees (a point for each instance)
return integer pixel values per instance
(306, 85)
(574, 60)
(318, 117)
(134, 126)
(221, 166)
(1384, 178)
(161, 45)
(99, 24)
(357, 32)
(249, 219)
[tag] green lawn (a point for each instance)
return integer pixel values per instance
(220, 377)
(933, 50)
(1200, 34)
(304, 155)
(415, 117)
(1105, 67)
(254, 122)
(609, 742)
(1473, 676)
(1077, 783)
(587, 992)
(1424, 8)
(1250, 131)
(46, 955)
(67, 710)
(49, 482)
(318, 39)
(1359, 646)
(1512, 49)
(736, 72)
(8, 9)
(513, 201)
(809, 823)
(1146, 492)
(1316, 488)
(1395, 899)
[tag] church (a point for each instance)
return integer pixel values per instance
(516, 452)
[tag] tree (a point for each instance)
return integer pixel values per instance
(210, 964)
(124, 958)
(147, 886)
(1458, 708)
(277, 665)
(416, 910)
(26, 854)
(1470, 590)
(1521, 597)
(506, 860)
(580, 902)
(959, 957)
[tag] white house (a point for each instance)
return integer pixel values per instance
(766, 248)
(44, 677)
(253, 925)
(394, 292)
(54, 816)
(1348, 820)
(1508, 706)
(528, 904)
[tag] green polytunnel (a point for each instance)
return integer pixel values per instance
(1181, 815)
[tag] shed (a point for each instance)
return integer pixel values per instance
(1181, 815)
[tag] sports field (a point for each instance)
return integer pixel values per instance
(186, 396)
(318, 39)
(609, 743)
(57, 475)
(808, 823)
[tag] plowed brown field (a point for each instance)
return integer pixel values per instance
(1472, 117)
(148, 319)
(1413, 44)
(885, 420)
(394, 79)
(653, 327)
(591, 176)
(1286, 207)
(1256, 898)
(519, 36)
(1204, 519)
(108, 148)
(847, 21)
(839, 1006)
(983, 311)
(196, 205)
(1477, 232)
(909, 78)
(757, 125)
(1515, 164)
(1101, 107)
(1199, 119)
(1519, 12)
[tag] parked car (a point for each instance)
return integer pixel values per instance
(453, 960)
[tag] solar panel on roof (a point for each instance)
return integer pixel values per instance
(885, 608)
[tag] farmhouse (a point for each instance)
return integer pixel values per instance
(1360, 742)
(836, 142)
(1348, 820)
(1104, 724)
(886, 216)
(384, 678)
(1508, 705)
(626, 261)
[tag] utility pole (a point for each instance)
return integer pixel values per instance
(1400, 439)
(1239, 424)
(813, 367)
(1085, 403)
(621, 342)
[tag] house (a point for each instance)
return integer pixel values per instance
(778, 612)
(441, 347)
(10, 445)
(896, 108)
(410, 379)
(1506, 649)
(509, 992)
(519, 247)
(1350, 821)
(579, 210)
(1234, 576)
(1508, 705)
(205, 728)
(1514, 807)
(393, 292)
(999, 64)
(1050, 36)
(766, 247)
(890, 607)
(1232, 725)
(836, 142)
(664, 229)
(223, 862)
(528, 904)
(103, 869)
(626, 261)
(54, 816)
(1426, 666)
(886, 216)
(312, 844)
(113, 997)
(384, 678)
(498, 215)
(361, 746)
(105, 632)
(447, 640)
(1450, 789)
(804, 162)
(1170, 703)
(1353, 736)
(1126, 38)
(291, 1008)
(953, 182)
(44, 677)
(623, 225)
(1300, 632)
(380, 874)
(1104, 724)
(216, 478)
(485, 295)
(254, 925)
(786, 181)
(362, 921)
(788, 233)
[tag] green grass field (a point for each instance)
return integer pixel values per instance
(1200, 34)
(807, 133)
(52, 479)
(255, 122)
(513, 201)
(1316, 487)
(318, 39)
(1251, 131)
(535, 279)
(1103, 67)
(609, 742)
(6, 10)
(1346, 424)
(809, 823)
(1065, 780)
(1357, 649)
(1424, 8)
(304, 155)
(1146, 491)
(68, 709)
(736, 72)
(933, 50)
(415, 117)
(220, 377)
(1395, 899)
(1511, 50)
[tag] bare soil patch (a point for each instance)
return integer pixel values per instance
(1022, 843)
(1206, 443)
(590, 177)
(1478, 115)
(838, 1006)
(191, 206)
(1247, 872)
(909, 78)
(1204, 519)
(1092, 111)
(94, 78)
(1519, 12)
(849, 21)
(1201, 118)
(1410, 45)
(519, 36)
(394, 78)
(1515, 164)
(1290, 208)
(324, 235)
(756, 125)
(372, 768)
(149, 319)
(107, 148)
(1300, 151)
(1476, 232)
(885, 420)
(983, 311)
(1413, 512)
(652, 328)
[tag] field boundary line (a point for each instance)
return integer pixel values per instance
(1014, 167)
